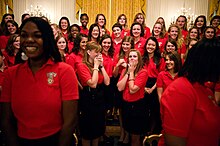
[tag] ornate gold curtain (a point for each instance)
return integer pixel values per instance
(111, 9)
(3, 4)
(214, 8)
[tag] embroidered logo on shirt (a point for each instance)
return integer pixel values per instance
(50, 77)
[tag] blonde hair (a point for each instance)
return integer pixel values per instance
(179, 39)
(90, 46)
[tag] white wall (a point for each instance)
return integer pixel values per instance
(168, 9)
(55, 9)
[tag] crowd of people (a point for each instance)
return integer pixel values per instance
(57, 79)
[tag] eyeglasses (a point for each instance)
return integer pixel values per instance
(134, 56)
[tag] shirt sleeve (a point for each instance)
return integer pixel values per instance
(160, 80)
(68, 84)
(141, 78)
(177, 108)
(6, 88)
(83, 73)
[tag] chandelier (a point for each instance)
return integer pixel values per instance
(37, 11)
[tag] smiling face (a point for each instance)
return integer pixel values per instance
(84, 21)
(106, 44)
(140, 19)
(95, 32)
(173, 32)
(64, 24)
(16, 43)
(122, 20)
(209, 33)
(117, 32)
(200, 22)
(11, 28)
(181, 22)
(215, 22)
(126, 46)
(193, 34)
(8, 18)
(74, 31)
(32, 41)
(170, 47)
(83, 43)
(61, 43)
(169, 63)
(157, 29)
(151, 46)
(136, 30)
(101, 21)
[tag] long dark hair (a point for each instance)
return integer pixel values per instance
(202, 62)
(90, 32)
(111, 49)
(77, 41)
(10, 49)
(6, 31)
(142, 29)
(49, 44)
(157, 55)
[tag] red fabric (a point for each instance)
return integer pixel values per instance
(182, 50)
(73, 60)
(84, 31)
(65, 35)
(140, 45)
(116, 59)
(161, 42)
(152, 70)
(70, 46)
(8, 60)
(184, 34)
(147, 33)
(3, 41)
(188, 112)
(213, 86)
(84, 75)
(117, 47)
(164, 79)
(36, 99)
(124, 32)
(108, 63)
(218, 32)
(140, 81)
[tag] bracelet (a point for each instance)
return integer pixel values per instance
(95, 69)
(131, 80)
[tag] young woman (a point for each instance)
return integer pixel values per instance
(100, 20)
(137, 32)
(170, 46)
(62, 46)
(64, 25)
(173, 65)
(134, 110)
(209, 33)
(25, 16)
(174, 32)
(56, 30)
(117, 40)
(187, 102)
(159, 34)
(84, 20)
(39, 98)
(200, 23)
(190, 44)
(93, 77)
(181, 21)
(94, 33)
(108, 62)
(5, 18)
(2, 70)
(193, 34)
(139, 17)
(215, 22)
(11, 49)
(11, 27)
(154, 64)
(162, 21)
(72, 32)
(120, 64)
(122, 20)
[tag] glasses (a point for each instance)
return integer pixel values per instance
(134, 56)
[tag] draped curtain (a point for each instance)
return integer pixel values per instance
(214, 8)
(3, 4)
(111, 9)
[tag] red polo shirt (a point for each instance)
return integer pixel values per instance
(188, 111)
(184, 34)
(147, 33)
(161, 42)
(84, 31)
(116, 59)
(164, 79)
(70, 46)
(74, 59)
(117, 47)
(108, 63)
(3, 41)
(84, 74)
(36, 100)
(140, 81)
(151, 68)
(140, 45)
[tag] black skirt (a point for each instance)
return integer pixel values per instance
(92, 112)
